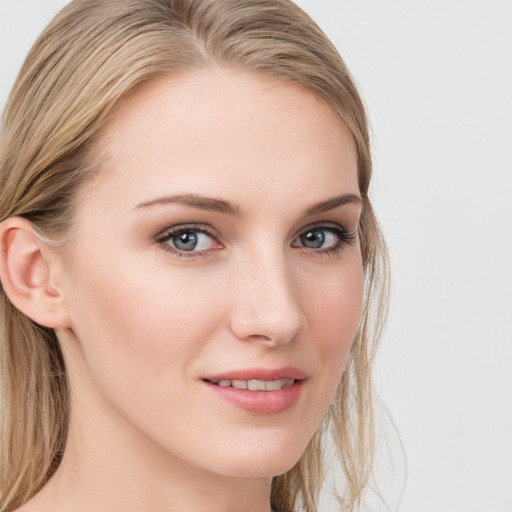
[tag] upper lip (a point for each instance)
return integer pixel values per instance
(266, 374)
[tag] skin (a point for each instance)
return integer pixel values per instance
(145, 325)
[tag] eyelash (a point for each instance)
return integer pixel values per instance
(344, 238)
(170, 233)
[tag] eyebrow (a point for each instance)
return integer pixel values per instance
(195, 201)
(227, 207)
(334, 202)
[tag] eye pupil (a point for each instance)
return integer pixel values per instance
(186, 241)
(313, 239)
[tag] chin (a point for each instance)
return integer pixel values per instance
(262, 462)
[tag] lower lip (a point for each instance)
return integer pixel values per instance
(260, 402)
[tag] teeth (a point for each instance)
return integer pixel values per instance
(274, 385)
(256, 385)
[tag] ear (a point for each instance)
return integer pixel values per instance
(27, 274)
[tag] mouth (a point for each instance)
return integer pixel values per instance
(254, 384)
(259, 391)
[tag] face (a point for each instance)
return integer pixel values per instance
(214, 284)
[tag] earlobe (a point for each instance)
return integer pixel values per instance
(25, 273)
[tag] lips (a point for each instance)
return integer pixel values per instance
(259, 391)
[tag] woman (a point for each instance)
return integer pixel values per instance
(193, 281)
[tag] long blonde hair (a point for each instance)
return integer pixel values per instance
(91, 56)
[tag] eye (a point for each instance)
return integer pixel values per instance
(325, 238)
(187, 239)
(318, 238)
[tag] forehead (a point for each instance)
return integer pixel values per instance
(211, 131)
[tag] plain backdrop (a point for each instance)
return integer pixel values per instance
(436, 76)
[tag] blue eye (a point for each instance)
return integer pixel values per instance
(318, 238)
(185, 241)
(325, 238)
(188, 239)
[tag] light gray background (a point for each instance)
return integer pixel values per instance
(436, 76)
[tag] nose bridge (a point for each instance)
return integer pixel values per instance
(267, 306)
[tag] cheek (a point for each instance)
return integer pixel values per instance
(139, 323)
(334, 316)
(336, 309)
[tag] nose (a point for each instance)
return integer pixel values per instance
(266, 305)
